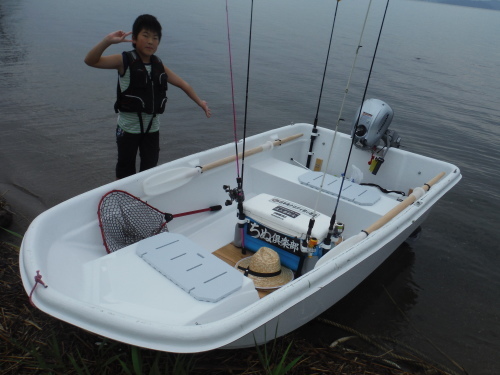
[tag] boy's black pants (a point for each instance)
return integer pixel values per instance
(128, 144)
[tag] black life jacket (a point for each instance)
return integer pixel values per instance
(146, 93)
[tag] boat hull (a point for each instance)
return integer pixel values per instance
(119, 297)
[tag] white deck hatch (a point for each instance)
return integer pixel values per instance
(189, 266)
(351, 191)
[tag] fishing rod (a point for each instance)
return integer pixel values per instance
(314, 133)
(246, 93)
(237, 194)
(334, 215)
(232, 90)
(327, 242)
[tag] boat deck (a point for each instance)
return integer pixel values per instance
(231, 255)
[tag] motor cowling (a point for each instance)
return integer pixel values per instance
(371, 124)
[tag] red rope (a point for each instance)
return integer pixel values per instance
(38, 280)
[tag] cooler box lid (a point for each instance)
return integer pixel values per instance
(286, 216)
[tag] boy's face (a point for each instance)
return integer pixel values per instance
(146, 42)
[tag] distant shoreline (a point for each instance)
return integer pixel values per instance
(485, 4)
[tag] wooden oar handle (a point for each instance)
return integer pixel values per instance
(250, 152)
(428, 185)
(400, 207)
(287, 139)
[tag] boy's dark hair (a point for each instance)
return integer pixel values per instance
(146, 22)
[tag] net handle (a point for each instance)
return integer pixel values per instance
(169, 217)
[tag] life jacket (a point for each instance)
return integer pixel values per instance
(146, 93)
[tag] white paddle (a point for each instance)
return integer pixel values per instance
(416, 194)
(173, 178)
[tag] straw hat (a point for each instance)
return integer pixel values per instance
(265, 270)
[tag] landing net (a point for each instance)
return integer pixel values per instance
(125, 220)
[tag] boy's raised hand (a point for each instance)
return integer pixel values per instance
(118, 37)
(95, 59)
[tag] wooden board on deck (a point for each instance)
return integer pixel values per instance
(231, 255)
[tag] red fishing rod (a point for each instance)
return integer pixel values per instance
(237, 194)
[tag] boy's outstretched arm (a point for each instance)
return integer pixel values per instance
(95, 59)
(177, 81)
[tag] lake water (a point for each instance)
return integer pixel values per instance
(438, 66)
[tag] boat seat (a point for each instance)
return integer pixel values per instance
(351, 191)
(189, 266)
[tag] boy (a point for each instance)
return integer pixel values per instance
(141, 92)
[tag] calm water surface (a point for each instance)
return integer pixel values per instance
(438, 67)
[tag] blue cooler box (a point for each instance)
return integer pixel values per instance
(281, 225)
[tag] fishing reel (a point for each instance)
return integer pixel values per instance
(235, 194)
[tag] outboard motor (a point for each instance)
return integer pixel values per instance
(372, 131)
(373, 124)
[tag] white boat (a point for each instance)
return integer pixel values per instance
(126, 297)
